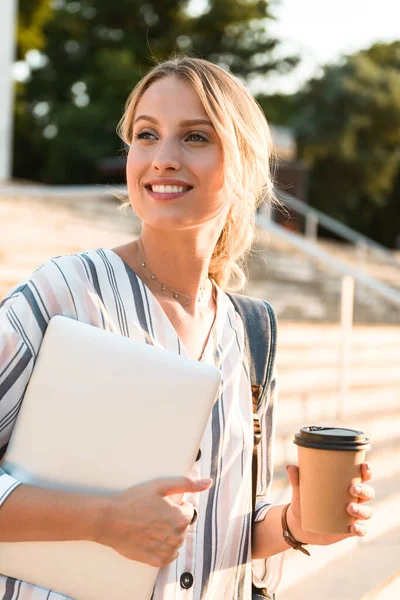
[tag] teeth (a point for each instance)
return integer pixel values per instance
(168, 189)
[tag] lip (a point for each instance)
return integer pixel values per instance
(165, 196)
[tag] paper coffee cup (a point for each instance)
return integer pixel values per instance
(330, 461)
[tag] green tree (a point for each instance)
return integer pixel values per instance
(279, 108)
(33, 15)
(348, 129)
(95, 51)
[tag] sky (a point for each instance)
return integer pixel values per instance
(322, 31)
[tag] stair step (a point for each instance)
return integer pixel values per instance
(352, 576)
(301, 573)
(300, 380)
(312, 405)
(299, 335)
(317, 357)
(389, 590)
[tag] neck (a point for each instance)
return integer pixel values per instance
(180, 261)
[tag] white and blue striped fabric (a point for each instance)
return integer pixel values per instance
(98, 288)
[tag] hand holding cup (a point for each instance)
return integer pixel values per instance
(359, 500)
(329, 488)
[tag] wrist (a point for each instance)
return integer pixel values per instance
(295, 541)
(294, 525)
(99, 520)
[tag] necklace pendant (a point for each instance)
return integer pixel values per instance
(143, 264)
(175, 295)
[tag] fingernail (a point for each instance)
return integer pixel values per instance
(368, 466)
(357, 528)
(356, 509)
(358, 489)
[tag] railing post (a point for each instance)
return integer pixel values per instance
(346, 327)
(311, 227)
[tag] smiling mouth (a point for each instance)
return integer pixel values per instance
(167, 192)
(168, 189)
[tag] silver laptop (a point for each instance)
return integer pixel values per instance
(102, 413)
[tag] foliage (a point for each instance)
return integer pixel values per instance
(279, 109)
(33, 15)
(348, 130)
(95, 51)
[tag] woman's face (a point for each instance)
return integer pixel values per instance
(174, 144)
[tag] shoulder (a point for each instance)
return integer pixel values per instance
(254, 312)
(248, 301)
(60, 286)
(52, 282)
(260, 336)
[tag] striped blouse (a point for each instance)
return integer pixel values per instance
(98, 288)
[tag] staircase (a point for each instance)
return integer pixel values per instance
(34, 228)
(303, 288)
(308, 375)
(372, 265)
(305, 296)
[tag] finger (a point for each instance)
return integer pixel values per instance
(363, 492)
(366, 472)
(178, 485)
(360, 511)
(358, 529)
(161, 547)
(169, 546)
(176, 498)
(173, 557)
(293, 475)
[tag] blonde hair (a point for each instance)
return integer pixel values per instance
(245, 137)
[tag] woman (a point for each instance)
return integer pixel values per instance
(197, 168)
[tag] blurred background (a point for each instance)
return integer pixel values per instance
(327, 76)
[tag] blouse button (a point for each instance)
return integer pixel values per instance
(198, 455)
(194, 518)
(186, 580)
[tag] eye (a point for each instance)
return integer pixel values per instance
(200, 137)
(195, 136)
(143, 135)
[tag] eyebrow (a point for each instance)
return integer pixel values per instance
(182, 123)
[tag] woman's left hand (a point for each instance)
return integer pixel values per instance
(362, 493)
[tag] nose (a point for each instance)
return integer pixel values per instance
(167, 156)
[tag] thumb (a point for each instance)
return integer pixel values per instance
(180, 485)
(293, 475)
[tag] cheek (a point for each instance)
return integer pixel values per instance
(134, 166)
(213, 172)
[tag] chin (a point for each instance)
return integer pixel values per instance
(168, 222)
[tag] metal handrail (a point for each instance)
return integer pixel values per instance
(316, 216)
(350, 275)
(294, 239)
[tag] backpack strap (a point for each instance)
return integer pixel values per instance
(260, 330)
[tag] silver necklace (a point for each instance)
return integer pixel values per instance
(164, 286)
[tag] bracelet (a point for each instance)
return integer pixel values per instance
(288, 537)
